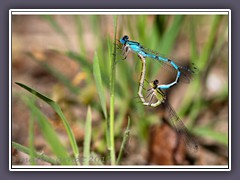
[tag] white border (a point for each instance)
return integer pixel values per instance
(114, 12)
(229, 89)
(119, 11)
(122, 168)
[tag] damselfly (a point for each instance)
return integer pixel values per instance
(174, 120)
(184, 74)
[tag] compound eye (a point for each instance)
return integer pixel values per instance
(126, 37)
(155, 82)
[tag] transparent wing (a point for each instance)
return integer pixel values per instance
(187, 73)
(149, 51)
(179, 126)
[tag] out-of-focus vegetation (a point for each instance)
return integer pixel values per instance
(72, 59)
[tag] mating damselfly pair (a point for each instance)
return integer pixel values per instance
(184, 74)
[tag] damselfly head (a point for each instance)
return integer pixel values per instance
(154, 84)
(124, 39)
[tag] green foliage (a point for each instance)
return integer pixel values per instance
(49, 134)
(87, 138)
(35, 154)
(99, 86)
(124, 141)
(58, 110)
(116, 80)
(31, 139)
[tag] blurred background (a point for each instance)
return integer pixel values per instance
(54, 55)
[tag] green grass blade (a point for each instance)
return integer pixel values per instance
(36, 155)
(95, 24)
(109, 78)
(87, 137)
(210, 43)
(169, 38)
(193, 42)
(58, 110)
(141, 25)
(171, 34)
(209, 133)
(80, 33)
(98, 80)
(125, 138)
(31, 139)
(110, 121)
(49, 134)
(204, 63)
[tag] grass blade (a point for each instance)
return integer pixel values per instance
(49, 133)
(36, 155)
(110, 121)
(87, 137)
(171, 34)
(169, 38)
(31, 139)
(58, 110)
(98, 80)
(207, 49)
(202, 63)
(79, 28)
(125, 138)
(193, 41)
(209, 133)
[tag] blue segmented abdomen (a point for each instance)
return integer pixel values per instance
(167, 86)
(157, 57)
(164, 59)
(138, 49)
(163, 87)
(178, 75)
(173, 64)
